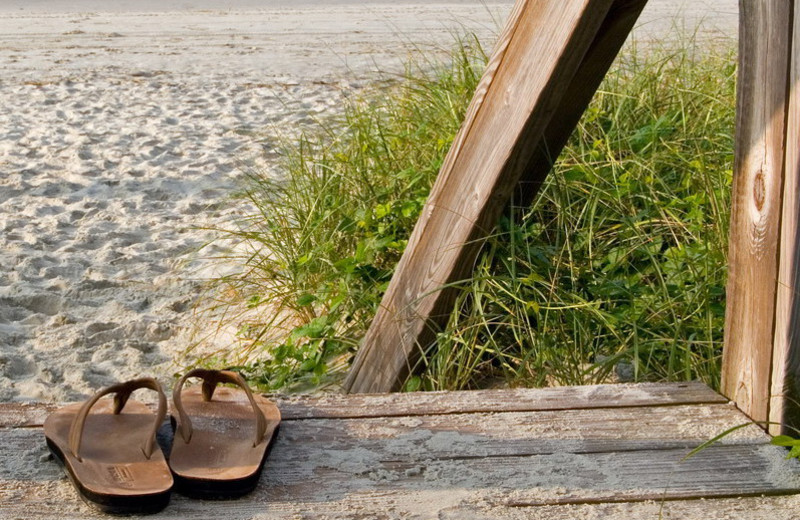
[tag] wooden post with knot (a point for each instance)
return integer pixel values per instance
(762, 323)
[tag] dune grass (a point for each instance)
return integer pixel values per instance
(618, 265)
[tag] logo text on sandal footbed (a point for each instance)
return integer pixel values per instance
(121, 475)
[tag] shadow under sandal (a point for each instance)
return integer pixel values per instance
(222, 435)
(111, 457)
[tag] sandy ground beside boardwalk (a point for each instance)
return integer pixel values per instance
(124, 131)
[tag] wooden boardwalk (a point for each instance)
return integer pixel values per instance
(609, 451)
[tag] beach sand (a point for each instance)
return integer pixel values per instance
(124, 132)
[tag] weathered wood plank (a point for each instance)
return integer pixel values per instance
(423, 438)
(357, 483)
(756, 203)
(785, 402)
(518, 399)
(557, 478)
(540, 464)
(516, 99)
(20, 415)
(437, 403)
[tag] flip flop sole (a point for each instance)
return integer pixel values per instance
(207, 489)
(116, 505)
(112, 474)
(220, 461)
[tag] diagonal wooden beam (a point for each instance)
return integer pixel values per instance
(547, 65)
(598, 59)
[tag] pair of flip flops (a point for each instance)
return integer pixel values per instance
(221, 440)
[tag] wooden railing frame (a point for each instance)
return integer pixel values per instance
(485, 167)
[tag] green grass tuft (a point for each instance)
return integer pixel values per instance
(620, 262)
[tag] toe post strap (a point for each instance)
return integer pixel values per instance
(121, 391)
(212, 378)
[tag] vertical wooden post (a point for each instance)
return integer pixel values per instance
(784, 410)
(536, 85)
(757, 196)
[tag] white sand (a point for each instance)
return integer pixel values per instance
(122, 131)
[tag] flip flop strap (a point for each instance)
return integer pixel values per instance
(211, 378)
(122, 392)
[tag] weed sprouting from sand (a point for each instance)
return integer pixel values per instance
(620, 261)
(319, 253)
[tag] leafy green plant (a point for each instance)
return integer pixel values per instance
(790, 442)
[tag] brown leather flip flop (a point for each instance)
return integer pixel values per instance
(111, 457)
(222, 435)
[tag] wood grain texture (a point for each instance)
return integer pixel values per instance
(21, 415)
(785, 391)
(332, 406)
(593, 68)
(585, 462)
(508, 400)
(462, 436)
(513, 434)
(521, 93)
(324, 478)
(756, 204)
